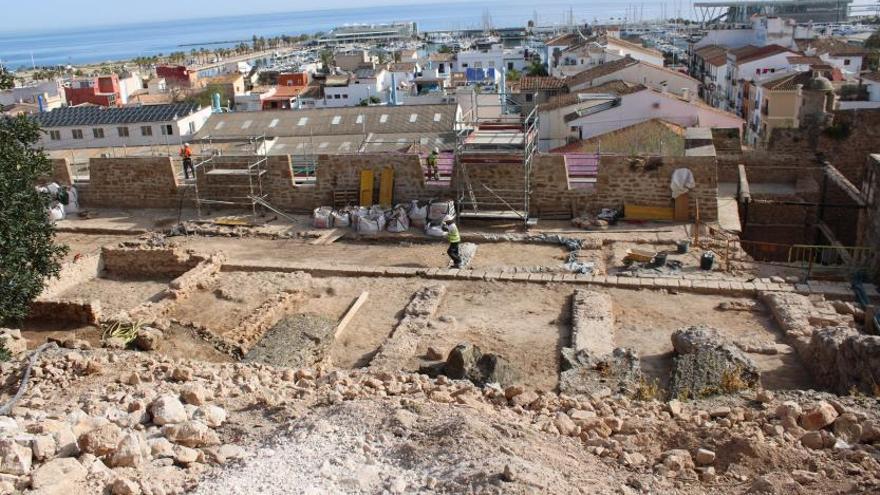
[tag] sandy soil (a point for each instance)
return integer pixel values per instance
(528, 326)
(646, 320)
(87, 244)
(402, 254)
(116, 294)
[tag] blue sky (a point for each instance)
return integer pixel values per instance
(71, 14)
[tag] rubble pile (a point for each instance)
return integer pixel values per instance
(129, 423)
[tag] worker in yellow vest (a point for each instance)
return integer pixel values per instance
(433, 170)
(454, 238)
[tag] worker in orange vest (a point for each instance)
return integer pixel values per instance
(186, 153)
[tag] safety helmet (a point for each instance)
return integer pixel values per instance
(436, 150)
(449, 218)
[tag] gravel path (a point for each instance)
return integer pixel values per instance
(296, 341)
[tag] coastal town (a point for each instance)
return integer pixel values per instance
(613, 257)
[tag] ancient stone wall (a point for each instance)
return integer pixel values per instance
(140, 261)
(854, 136)
(619, 183)
(870, 223)
(133, 182)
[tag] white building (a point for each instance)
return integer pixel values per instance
(754, 64)
(100, 127)
(836, 53)
(582, 116)
(636, 72)
(50, 92)
(872, 81)
(763, 31)
(620, 48)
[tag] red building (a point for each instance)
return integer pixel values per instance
(101, 90)
(177, 75)
(293, 79)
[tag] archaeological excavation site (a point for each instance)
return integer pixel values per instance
(691, 324)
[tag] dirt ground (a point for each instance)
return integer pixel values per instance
(401, 254)
(646, 320)
(116, 294)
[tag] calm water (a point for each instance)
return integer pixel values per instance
(87, 45)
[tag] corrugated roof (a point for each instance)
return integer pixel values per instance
(351, 143)
(332, 121)
(98, 115)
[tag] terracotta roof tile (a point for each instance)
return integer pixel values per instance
(532, 83)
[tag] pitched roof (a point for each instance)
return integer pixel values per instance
(872, 76)
(536, 83)
(98, 115)
(631, 139)
(619, 88)
(441, 57)
(633, 46)
(832, 46)
(402, 67)
(757, 53)
(788, 82)
(713, 55)
(564, 40)
(332, 121)
(586, 76)
(804, 60)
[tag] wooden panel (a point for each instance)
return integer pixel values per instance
(366, 188)
(682, 210)
(386, 186)
(637, 212)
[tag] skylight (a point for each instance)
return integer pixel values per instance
(302, 121)
(437, 117)
(413, 117)
(360, 119)
(246, 124)
(383, 118)
(273, 123)
(219, 125)
(336, 120)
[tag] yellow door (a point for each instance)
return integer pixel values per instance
(366, 188)
(386, 186)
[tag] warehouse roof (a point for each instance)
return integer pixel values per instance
(98, 115)
(332, 121)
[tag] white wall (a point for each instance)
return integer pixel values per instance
(622, 51)
(873, 89)
(653, 77)
(647, 105)
(180, 132)
(852, 68)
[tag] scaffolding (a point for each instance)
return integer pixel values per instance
(497, 137)
(228, 178)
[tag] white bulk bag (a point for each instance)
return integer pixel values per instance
(322, 217)
(418, 215)
(399, 221)
(341, 218)
(440, 209)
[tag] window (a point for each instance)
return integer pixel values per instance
(302, 121)
(146, 130)
(383, 118)
(167, 130)
(336, 120)
(509, 65)
(846, 61)
(464, 65)
(192, 128)
(437, 117)
(98, 133)
(336, 97)
(122, 131)
(77, 133)
(413, 117)
(55, 135)
(359, 119)
(345, 96)
(530, 97)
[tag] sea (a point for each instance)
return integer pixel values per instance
(86, 45)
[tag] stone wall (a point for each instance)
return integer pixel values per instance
(132, 182)
(870, 222)
(153, 183)
(857, 135)
(619, 183)
(141, 261)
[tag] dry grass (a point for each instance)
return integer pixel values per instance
(648, 389)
